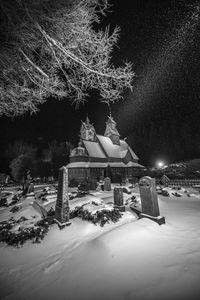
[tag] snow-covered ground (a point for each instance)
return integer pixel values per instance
(131, 259)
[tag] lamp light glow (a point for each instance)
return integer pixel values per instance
(160, 164)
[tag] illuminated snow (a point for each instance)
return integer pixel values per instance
(131, 259)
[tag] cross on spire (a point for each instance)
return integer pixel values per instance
(109, 108)
(87, 121)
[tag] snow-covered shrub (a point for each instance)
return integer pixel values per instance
(15, 199)
(95, 203)
(82, 193)
(3, 201)
(88, 184)
(133, 198)
(72, 195)
(35, 233)
(15, 208)
(164, 193)
(99, 217)
(126, 190)
(73, 183)
(176, 194)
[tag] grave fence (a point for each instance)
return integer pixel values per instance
(184, 182)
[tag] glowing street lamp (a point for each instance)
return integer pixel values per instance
(160, 164)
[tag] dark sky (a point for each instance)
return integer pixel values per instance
(161, 116)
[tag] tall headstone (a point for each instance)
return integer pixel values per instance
(27, 181)
(149, 200)
(31, 188)
(62, 203)
(119, 199)
(107, 184)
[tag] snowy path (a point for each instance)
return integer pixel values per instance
(138, 260)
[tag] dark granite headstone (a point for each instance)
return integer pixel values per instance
(107, 184)
(119, 199)
(31, 188)
(26, 182)
(149, 199)
(165, 180)
(62, 203)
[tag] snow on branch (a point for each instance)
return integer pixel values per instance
(52, 49)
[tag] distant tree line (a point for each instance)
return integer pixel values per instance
(21, 157)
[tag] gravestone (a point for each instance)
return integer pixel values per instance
(119, 199)
(98, 188)
(31, 188)
(126, 181)
(165, 180)
(62, 202)
(30, 191)
(26, 184)
(149, 200)
(107, 184)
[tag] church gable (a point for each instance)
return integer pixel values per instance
(128, 157)
(87, 131)
(111, 131)
(134, 156)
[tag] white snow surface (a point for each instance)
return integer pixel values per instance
(131, 259)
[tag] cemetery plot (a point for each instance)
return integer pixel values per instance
(31, 217)
(23, 216)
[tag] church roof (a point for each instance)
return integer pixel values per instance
(134, 164)
(94, 149)
(113, 150)
(133, 153)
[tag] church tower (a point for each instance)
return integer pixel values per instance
(111, 131)
(87, 131)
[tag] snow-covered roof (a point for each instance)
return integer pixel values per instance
(115, 151)
(134, 164)
(94, 149)
(132, 153)
(111, 149)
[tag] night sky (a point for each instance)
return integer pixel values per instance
(160, 117)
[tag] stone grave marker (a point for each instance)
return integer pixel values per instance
(26, 184)
(62, 203)
(107, 184)
(165, 180)
(31, 188)
(119, 199)
(149, 200)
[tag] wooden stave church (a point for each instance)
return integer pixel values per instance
(95, 153)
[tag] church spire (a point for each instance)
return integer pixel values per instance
(109, 108)
(87, 131)
(111, 131)
(87, 120)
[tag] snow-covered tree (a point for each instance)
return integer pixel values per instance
(21, 164)
(58, 155)
(53, 48)
(18, 148)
